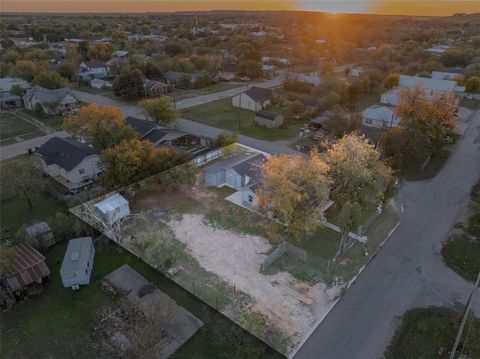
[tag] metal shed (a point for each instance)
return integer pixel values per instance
(78, 262)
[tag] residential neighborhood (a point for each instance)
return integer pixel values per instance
(238, 180)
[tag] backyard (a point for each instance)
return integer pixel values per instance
(215, 249)
(223, 115)
(59, 321)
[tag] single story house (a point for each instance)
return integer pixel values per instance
(6, 84)
(155, 88)
(164, 136)
(60, 101)
(228, 72)
(42, 233)
(77, 263)
(380, 117)
(113, 208)
(94, 69)
(269, 60)
(269, 71)
(100, 84)
(441, 75)
(438, 49)
(254, 99)
(432, 87)
(9, 101)
(28, 267)
(241, 172)
(72, 163)
(268, 119)
(120, 54)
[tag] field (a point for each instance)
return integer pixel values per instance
(216, 249)
(59, 322)
(427, 333)
(14, 129)
(223, 115)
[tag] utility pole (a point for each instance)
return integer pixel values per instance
(465, 316)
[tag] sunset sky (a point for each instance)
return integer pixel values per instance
(404, 7)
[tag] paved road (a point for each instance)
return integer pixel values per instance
(409, 270)
(192, 126)
(20, 148)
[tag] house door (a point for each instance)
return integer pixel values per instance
(231, 180)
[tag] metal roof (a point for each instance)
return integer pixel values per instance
(427, 83)
(111, 203)
(38, 228)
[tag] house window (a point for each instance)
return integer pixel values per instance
(81, 171)
(250, 198)
(368, 121)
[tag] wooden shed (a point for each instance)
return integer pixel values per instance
(42, 233)
(268, 119)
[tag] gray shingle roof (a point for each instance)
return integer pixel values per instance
(267, 115)
(64, 152)
(140, 125)
(226, 163)
(259, 94)
(48, 96)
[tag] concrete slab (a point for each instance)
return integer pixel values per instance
(179, 324)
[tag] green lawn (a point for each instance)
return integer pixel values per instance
(55, 122)
(427, 333)
(58, 323)
(470, 104)
(180, 94)
(413, 172)
(15, 211)
(89, 89)
(222, 114)
(12, 126)
(463, 256)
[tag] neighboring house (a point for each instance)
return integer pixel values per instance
(28, 268)
(77, 263)
(155, 88)
(269, 71)
(432, 88)
(100, 84)
(94, 69)
(228, 72)
(72, 163)
(162, 136)
(379, 117)
(438, 49)
(53, 102)
(254, 99)
(241, 172)
(9, 101)
(440, 75)
(268, 60)
(173, 78)
(120, 54)
(42, 233)
(313, 78)
(268, 119)
(113, 208)
(356, 72)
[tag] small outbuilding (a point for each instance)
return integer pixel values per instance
(113, 208)
(42, 233)
(78, 262)
(268, 119)
(28, 267)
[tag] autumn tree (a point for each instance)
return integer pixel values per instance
(357, 174)
(341, 122)
(391, 81)
(292, 192)
(101, 51)
(50, 80)
(132, 160)
(472, 85)
(102, 127)
(27, 70)
(425, 124)
(160, 109)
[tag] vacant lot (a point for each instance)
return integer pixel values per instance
(180, 94)
(222, 114)
(427, 333)
(59, 322)
(14, 129)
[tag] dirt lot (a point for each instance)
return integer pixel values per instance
(290, 305)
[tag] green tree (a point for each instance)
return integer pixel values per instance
(224, 139)
(17, 90)
(472, 85)
(160, 109)
(342, 122)
(49, 80)
(129, 85)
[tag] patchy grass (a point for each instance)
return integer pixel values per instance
(223, 115)
(90, 90)
(59, 322)
(55, 122)
(12, 126)
(427, 333)
(15, 211)
(462, 254)
(180, 94)
(470, 104)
